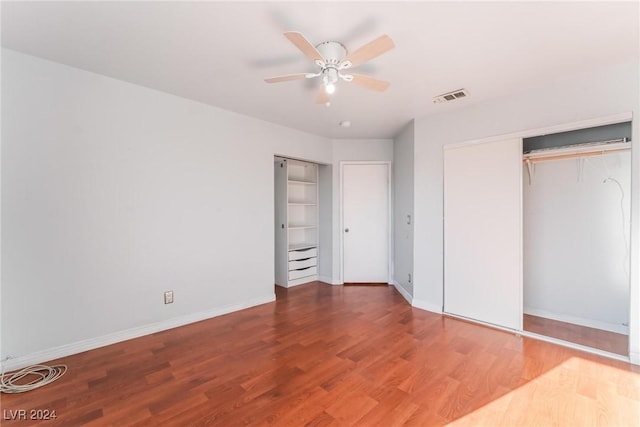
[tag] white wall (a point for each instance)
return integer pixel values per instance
(403, 175)
(113, 193)
(576, 238)
(607, 91)
(352, 149)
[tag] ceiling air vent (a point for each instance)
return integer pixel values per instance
(451, 96)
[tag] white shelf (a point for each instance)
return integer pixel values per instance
(293, 181)
(299, 246)
(301, 204)
(301, 227)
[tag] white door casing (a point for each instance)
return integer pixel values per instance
(365, 214)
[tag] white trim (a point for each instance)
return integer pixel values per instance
(634, 264)
(328, 280)
(116, 337)
(425, 305)
(389, 215)
(565, 127)
(390, 244)
(390, 225)
(403, 292)
(590, 323)
(521, 248)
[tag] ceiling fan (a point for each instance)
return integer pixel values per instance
(333, 58)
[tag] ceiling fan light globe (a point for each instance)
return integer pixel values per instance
(330, 88)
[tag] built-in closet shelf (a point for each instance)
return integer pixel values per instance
(301, 182)
(296, 196)
(301, 246)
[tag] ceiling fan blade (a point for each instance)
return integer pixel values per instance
(323, 97)
(370, 50)
(370, 82)
(286, 78)
(303, 44)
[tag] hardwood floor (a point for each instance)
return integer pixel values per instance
(330, 355)
(596, 338)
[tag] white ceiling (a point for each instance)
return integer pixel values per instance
(219, 52)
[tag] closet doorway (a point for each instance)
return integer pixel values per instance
(537, 234)
(576, 210)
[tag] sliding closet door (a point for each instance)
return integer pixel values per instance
(483, 232)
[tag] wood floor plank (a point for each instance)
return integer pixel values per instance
(325, 355)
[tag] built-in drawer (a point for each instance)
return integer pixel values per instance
(303, 263)
(297, 274)
(303, 253)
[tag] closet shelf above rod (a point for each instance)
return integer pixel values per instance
(575, 152)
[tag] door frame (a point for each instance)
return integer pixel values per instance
(389, 215)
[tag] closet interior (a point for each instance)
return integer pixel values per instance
(296, 222)
(576, 210)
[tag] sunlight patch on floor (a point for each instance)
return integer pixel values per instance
(585, 391)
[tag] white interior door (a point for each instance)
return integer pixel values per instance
(365, 220)
(483, 232)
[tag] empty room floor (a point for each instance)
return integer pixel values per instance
(340, 356)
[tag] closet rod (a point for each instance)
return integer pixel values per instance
(576, 154)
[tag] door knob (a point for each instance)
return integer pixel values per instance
(346, 230)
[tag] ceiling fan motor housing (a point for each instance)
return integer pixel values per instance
(333, 52)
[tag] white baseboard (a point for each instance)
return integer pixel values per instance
(328, 280)
(403, 292)
(634, 357)
(590, 323)
(425, 305)
(93, 343)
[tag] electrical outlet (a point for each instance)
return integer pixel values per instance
(168, 297)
